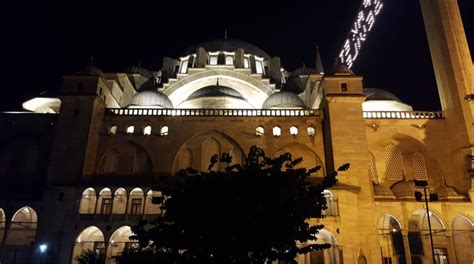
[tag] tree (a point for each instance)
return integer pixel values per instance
(90, 257)
(248, 213)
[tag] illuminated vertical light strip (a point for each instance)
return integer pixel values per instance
(362, 25)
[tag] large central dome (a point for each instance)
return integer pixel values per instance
(229, 45)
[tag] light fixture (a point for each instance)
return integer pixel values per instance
(43, 248)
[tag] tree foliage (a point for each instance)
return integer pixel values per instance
(248, 213)
(90, 257)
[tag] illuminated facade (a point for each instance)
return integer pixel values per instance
(110, 136)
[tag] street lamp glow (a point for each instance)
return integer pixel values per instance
(43, 248)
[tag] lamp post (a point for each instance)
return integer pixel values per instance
(433, 197)
(43, 250)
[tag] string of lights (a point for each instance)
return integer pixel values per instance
(362, 25)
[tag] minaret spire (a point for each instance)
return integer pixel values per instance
(319, 64)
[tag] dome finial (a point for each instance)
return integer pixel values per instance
(92, 60)
(225, 33)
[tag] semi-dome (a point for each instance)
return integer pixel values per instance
(216, 97)
(283, 100)
(151, 99)
(382, 100)
(404, 189)
(229, 45)
(215, 91)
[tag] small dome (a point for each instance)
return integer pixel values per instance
(90, 70)
(229, 45)
(151, 99)
(140, 70)
(303, 71)
(380, 190)
(404, 189)
(381, 100)
(446, 192)
(215, 91)
(283, 100)
(372, 94)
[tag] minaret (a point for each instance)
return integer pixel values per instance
(319, 63)
(453, 70)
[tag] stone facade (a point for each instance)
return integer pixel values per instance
(78, 179)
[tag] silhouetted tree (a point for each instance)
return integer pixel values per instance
(249, 213)
(90, 257)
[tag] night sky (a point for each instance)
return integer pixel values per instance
(42, 41)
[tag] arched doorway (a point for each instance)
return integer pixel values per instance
(88, 201)
(391, 241)
(90, 240)
(463, 239)
(119, 241)
(22, 230)
(326, 256)
(150, 207)
(419, 238)
(120, 201)
(135, 203)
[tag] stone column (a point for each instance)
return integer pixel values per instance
(239, 58)
(201, 58)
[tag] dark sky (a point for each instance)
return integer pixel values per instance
(41, 41)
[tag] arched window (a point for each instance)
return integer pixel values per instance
(394, 170)
(112, 160)
(90, 239)
(3, 219)
(259, 67)
(147, 131)
(373, 169)
(120, 241)
(113, 130)
(311, 131)
(185, 158)
(135, 203)
(391, 240)
(331, 205)
(184, 67)
(88, 200)
(293, 130)
(259, 131)
(418, 230)
(419, 167)
(463, 238)
(210, 147)
(164, 131)
(276, 131)
(105, 202)
(330, 255)
(23, 227)
(150, 207)
(229, 60)
(120, 201)
(213, 60)
(130, 129)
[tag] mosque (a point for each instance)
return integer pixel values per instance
(80, 163)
